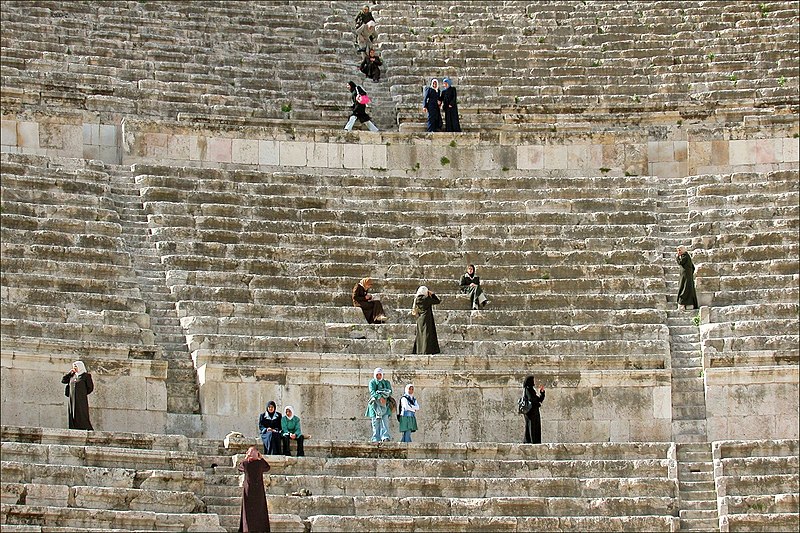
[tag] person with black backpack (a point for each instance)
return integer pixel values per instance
(529, 406)
(360, 101)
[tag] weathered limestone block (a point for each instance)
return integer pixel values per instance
(47, 495)
(159, 501)
(11, 493)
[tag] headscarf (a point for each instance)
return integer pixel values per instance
(408, 387)
(434, 80)
(288, 408)
(528, 384)
(275, 414)
(377, 371)
(81, 367)
(447, 81)
(422, 291)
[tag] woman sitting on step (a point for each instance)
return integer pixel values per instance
(372, 307)
(471, 284)
(269, 426)
(290, 427)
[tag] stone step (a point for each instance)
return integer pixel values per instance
(81, 519)
(406, 523)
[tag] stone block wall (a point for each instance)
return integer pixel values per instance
(129, 395)
(668, 152)
(580, 406)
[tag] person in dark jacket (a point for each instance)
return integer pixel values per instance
(359, 109)
(371, 66)
(430, 104)
(366, 32)
(79, 386)
(254, 516)
(372, 308)
(450, 107)
(533, 422)
(426, 340)
(686, 292)
(471, 284)
(269, 426)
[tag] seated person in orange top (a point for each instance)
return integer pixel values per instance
(373, 309)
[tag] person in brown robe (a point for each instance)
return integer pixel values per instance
(426, 340)
(79, 386)
(255, 515)
(373, 309)
(686, 292)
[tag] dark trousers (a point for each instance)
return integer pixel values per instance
(299, 441)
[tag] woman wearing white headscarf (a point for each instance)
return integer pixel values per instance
(426, 340)
(290, 428)
(408, 413)
(79, 386)
(378, 406)
(430, 104)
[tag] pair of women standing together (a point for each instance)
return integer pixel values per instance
(381, 405)
(432, 100)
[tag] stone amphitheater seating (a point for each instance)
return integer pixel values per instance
(242, 247)
(70, 292)
(757, 485)
(590, 61)
(181, 210)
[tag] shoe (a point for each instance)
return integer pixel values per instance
(381, 319)
(485, 303)
(384, 440)
(474, 307)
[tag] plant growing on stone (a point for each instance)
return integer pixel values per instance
(710, 56)
(505, 169)
(286, 108)
(781, 81)
(453, 143)
(444, 161)
(448, 29)
(764, 9)
(696, 320)
(604, 169)
(546, 275)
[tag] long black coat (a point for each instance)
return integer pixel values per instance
(359, 110)
(78, 389)
(686, 291)
(431, 103)
(254, 515)
(450, 108)
(426, 341)
(533, 422)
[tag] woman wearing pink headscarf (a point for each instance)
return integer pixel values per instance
(254, 515)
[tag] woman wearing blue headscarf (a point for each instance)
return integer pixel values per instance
(450, 107)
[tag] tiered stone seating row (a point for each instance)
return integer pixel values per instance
(143, 59)
(757, 485)
(61, 480)
(512, 61)
(66, 274)
(521, 63)
(747, 247)
(455, 487)
(241, 248)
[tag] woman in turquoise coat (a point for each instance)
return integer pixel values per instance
(290, 430)
(378, 408)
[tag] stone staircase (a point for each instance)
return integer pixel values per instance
(698, 497)
(357, 486)
(183, 406)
